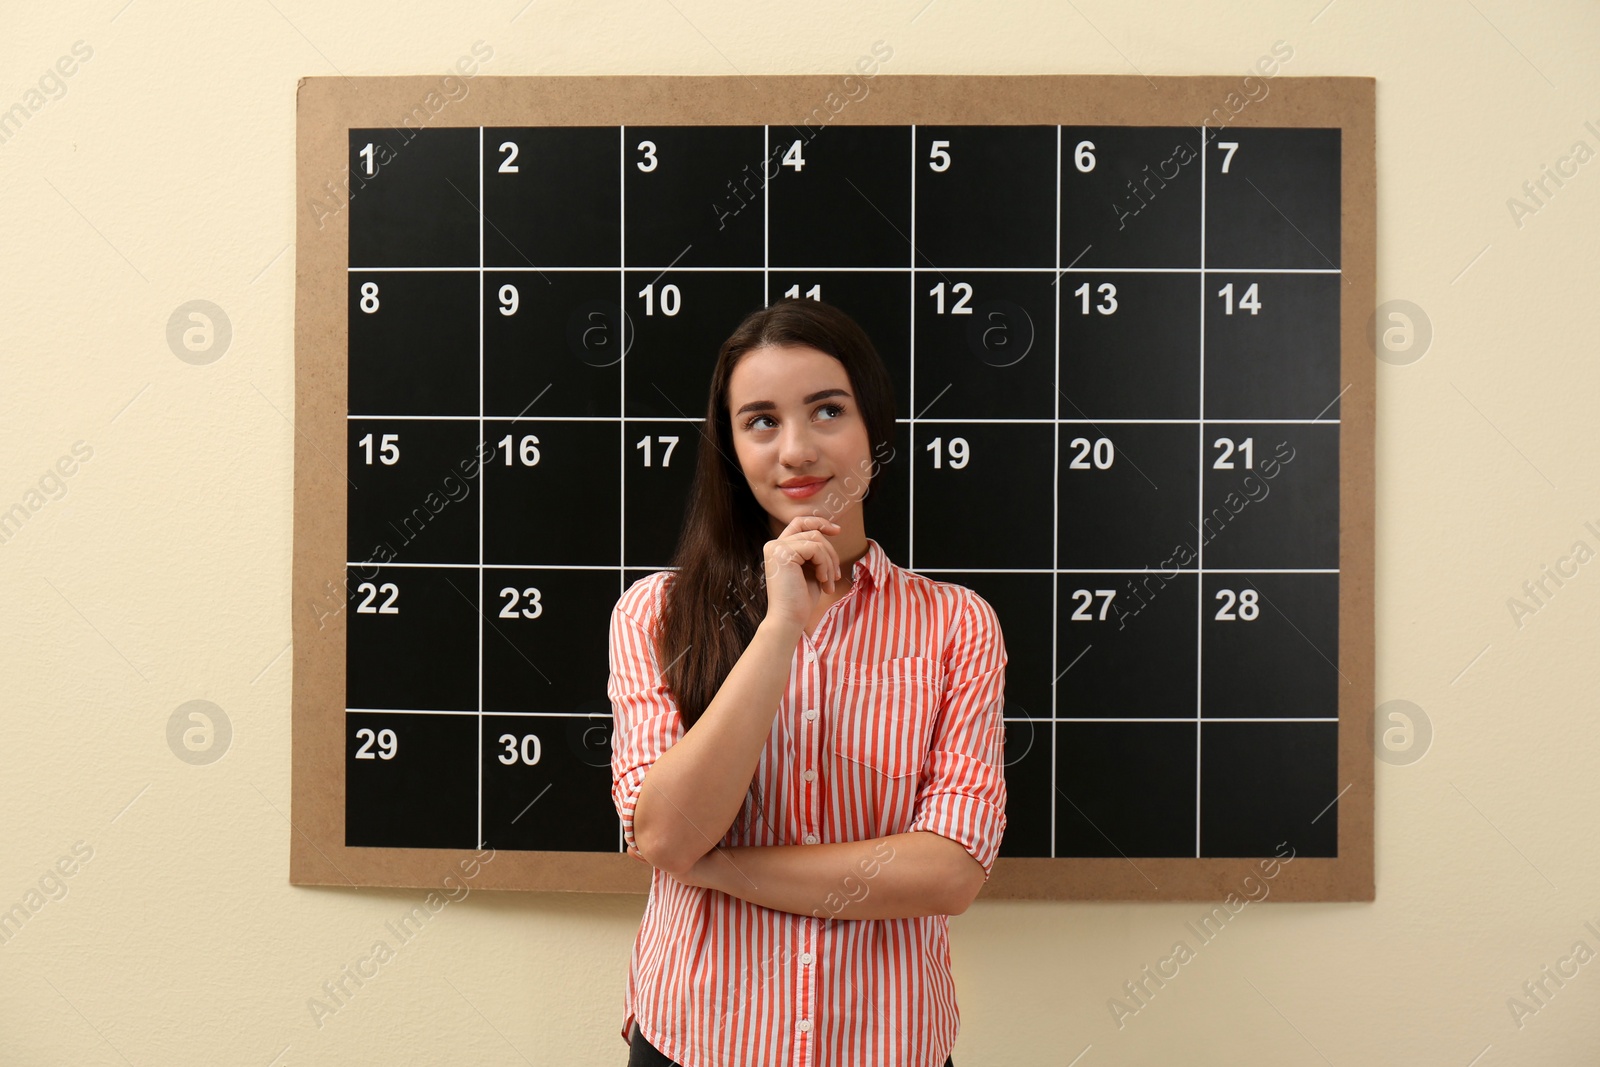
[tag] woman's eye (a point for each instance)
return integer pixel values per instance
(750, 423)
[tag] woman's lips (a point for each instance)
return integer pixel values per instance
(800, 492)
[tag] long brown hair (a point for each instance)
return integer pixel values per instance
(717, 595)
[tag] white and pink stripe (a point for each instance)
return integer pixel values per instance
(907, 676)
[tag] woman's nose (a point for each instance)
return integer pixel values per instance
(795, 447)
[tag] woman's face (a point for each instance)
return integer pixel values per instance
(795, 419)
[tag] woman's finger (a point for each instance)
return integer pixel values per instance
(819, 552)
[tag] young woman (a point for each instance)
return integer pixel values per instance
(808, 744)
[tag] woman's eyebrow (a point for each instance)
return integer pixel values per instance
(767, 405)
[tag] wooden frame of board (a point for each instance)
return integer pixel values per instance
(328, 107)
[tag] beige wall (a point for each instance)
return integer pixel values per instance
(158, 572)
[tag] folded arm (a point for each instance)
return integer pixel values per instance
(899, 876)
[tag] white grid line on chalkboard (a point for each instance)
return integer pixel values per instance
(751, 269)
(1010, 718)
(1200, 473)
(478, 837)
(1055, 504)
(691, 418)
(911, 354)
(766, 218)
(922, 570)
(622, 385)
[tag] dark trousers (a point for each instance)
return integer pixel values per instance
(642, 1053)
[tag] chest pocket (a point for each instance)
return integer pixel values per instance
(883, 722)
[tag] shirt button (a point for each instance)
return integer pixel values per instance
(811, 839)
(811, 713)
(804, 1026)
(805, 957)
(810, 775)
(811, 657)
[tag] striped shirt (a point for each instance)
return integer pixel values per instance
(891, 722)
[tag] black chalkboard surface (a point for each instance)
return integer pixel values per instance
(1122, 366)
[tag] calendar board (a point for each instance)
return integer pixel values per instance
(1124, 317)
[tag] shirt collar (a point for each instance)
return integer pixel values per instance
(875, 565)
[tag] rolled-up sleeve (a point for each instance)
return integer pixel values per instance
(645, 717)
(961, 793)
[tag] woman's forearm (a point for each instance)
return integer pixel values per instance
(902, 875)
(693, 790)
